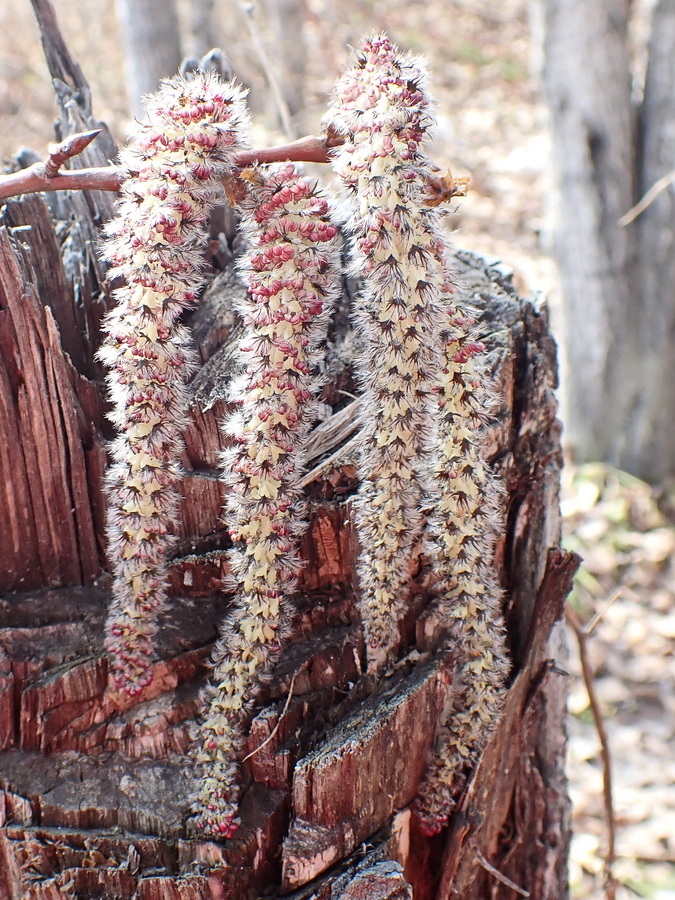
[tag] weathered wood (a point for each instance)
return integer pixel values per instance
(348, 788)
(381, 881)
(508, 763)
(73, 96)
(52, 450)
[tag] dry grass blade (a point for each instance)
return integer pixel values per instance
(597, 618)
(500, 877)
(279, 721)
(268, 68)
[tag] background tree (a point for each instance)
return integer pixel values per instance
(152, 48)
(612, 143)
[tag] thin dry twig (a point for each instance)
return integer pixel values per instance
(601, 613)
(582, 635)
(657, 188)
(499, 876)
(46, 175)
(279, 721)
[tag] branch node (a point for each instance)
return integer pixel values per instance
(67, 149)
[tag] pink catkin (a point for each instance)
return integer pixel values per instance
(382, 111)
(174, 166)
(292, 272)
(464, 528)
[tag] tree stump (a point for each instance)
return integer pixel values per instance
(94, 786)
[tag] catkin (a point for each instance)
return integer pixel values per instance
(465, 527)
(174, 166)
(292, 271)
(382, 111)
(427, 401)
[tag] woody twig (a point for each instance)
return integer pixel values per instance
(47, 175)
(582, 635)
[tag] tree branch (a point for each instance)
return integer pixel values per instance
(46, 175)
(651, 195)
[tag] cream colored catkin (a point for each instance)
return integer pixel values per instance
(293, 277)
(382, 111)
(174, 167)
(427, 400)
(465, 528)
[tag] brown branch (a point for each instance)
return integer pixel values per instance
(582, 640)
(45, 176)
(32, 180)
(306, 149)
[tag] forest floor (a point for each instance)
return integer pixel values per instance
(491, 125)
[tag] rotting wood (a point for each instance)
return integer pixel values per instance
(45, 507)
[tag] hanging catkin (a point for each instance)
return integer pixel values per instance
(382, 111)
(292, 273)
(464, 528)
(174, 166)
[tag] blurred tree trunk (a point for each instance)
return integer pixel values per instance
(285, 21)
(618, 282)
(204, 33)
(151, 42)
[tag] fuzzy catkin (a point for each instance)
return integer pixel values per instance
(174, 166)
(382, 111)
(292, 271)
(465, 528)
